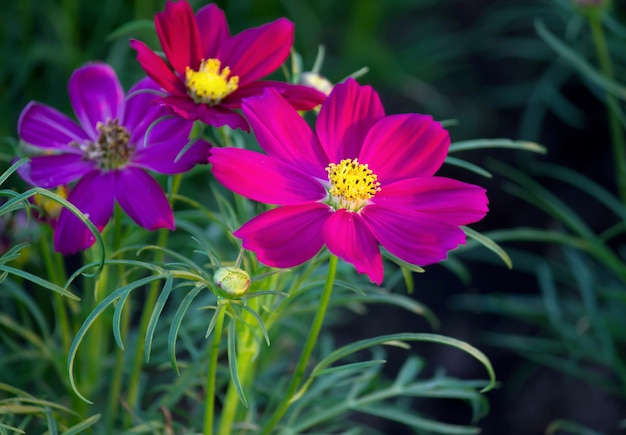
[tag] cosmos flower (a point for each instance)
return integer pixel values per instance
(109, 153)
(213, 71)
(362, 180)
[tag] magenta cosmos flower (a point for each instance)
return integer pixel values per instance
(361, 181)
(109, 153)
(212, 71)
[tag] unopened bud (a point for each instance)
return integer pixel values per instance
(316, 81)
(231, 282)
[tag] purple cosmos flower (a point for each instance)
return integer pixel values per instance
(213, 71)
(361, 181)
(108, 153)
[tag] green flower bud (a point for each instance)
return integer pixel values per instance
(231, 282)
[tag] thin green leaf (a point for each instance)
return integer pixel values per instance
(14, 167)
(260, 321)
(489, 244)
(177, 321)
(117, 320)
(232, 363)
(454, 161)
(156, 313)
(80, 427)
(39, 281)
(476, 144)
(131, 28)
(352, 366)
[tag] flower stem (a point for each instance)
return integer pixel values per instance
(307, 350)
(209, 403)
(617, 135)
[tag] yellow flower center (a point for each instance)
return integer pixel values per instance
(352, 184)
(210, 84)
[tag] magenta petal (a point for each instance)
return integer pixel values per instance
(180, 39)
(96, 96)
(284, 134)
(161, 156)
(401, 146)
(299, 97)
(53, 171)
(181, 105)
(213, 29)
(286, 236)
(218, 116)
(157, 69)
(348, 237)
(449, 201)
(93, 195)
(45, 127)
(345, 119)
(419, 239)
(263, 178)
(257, 52)
(141, 197)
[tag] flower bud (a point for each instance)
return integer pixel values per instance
(231, 282)
(316, 81)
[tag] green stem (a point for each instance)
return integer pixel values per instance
(617, 136)
(209, 404)
(309, 345)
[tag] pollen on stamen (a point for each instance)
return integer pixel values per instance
(211, 83)
(352, 184)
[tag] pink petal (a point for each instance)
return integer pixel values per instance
(416, 238)
(218, 116)
(349, 238)
(141, 197)
(401, 146)
(450, 201)
(181, 105)
(45, 127)
(263, 178)
(180, 39)
(55, 170)
(299, 97)
(93, 195)
(157, 69)
(345, 119)
(161, 156)
(96, 96)
(213, 29)
(286, 236)
(259, 51)
(284, 134)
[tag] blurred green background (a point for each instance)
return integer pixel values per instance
(478, 62)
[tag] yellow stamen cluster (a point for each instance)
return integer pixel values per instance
(352, 184)
(210, 84)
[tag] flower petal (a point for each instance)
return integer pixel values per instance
(286, 236)
(180, 39)
(96, 96)
(263, 178)
(141, 197)
(401, 146)
(218, 116)
(53, 171)
(93, 195)
(213, 29)
(345, 119)
(450, 201)
(284, 134)
(259, 51)
(181, 105)
(161, 156)
(299, 97)
(157, 69)
(45, 127)
(348, 237)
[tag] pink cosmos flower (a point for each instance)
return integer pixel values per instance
(361, 181)
(109, 153)
(213, 71)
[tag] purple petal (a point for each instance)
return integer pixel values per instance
(286, 236)
(401, 146)
(450, 201)
(45, 127)
(55, 170)
(180, 39)
(263, 178)
(141, 197)
(218, 116)
(349, 238)
(257, 52)
(345, 119)
(416, 238)
(96, 96)
(161, 156)
(213, 29)
(284, 134)
(93, 195)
